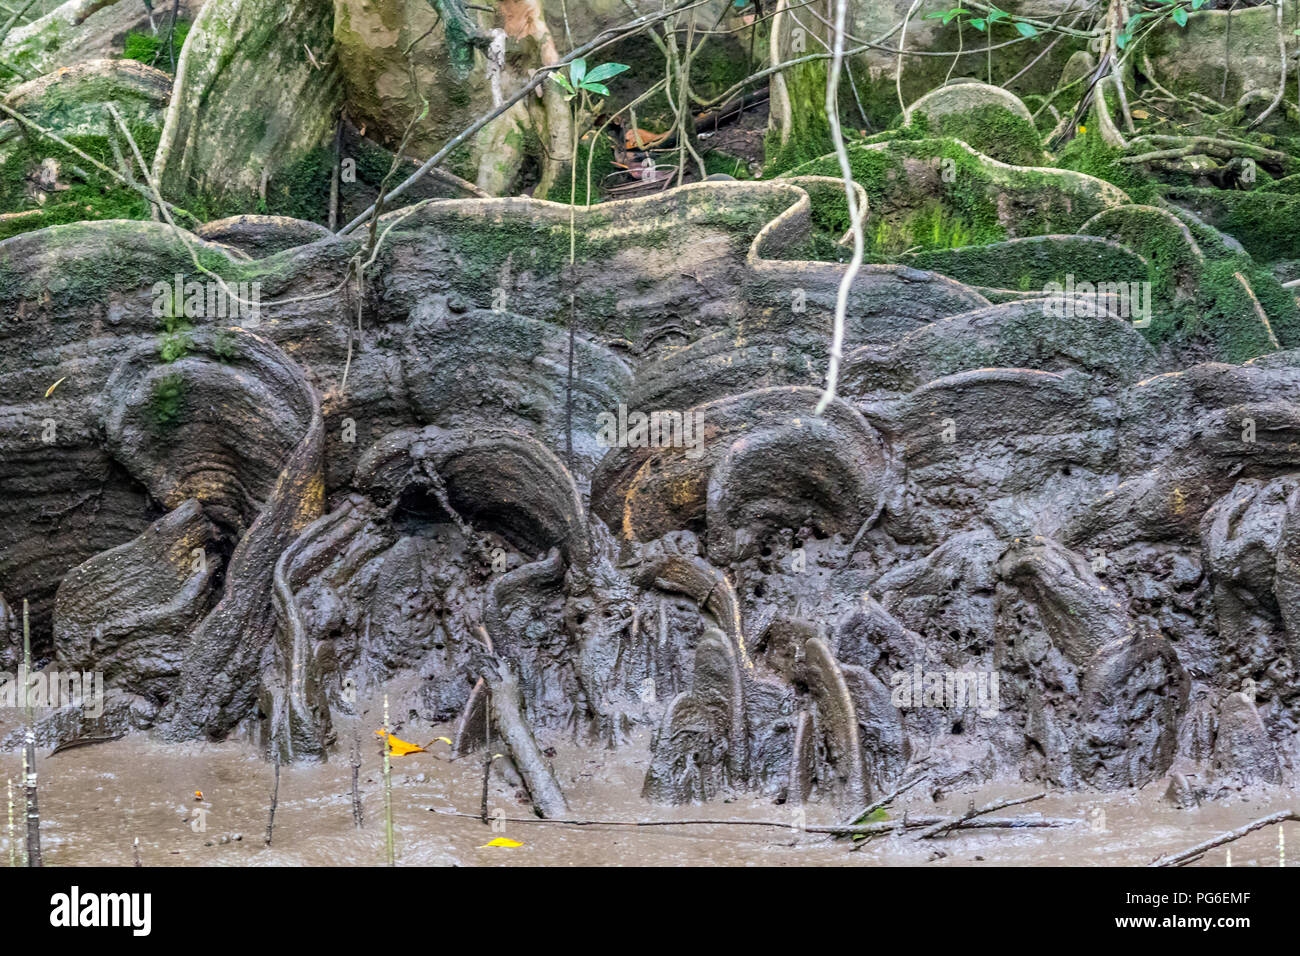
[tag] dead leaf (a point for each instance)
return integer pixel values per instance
(399, 748)
(500, 841)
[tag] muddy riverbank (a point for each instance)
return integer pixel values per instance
(96, 801)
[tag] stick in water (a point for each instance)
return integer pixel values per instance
(356, 774)
(275, 800)
(29, 756)
(1192, 853)
(388, 792)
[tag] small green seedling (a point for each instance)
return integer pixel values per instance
(580, 80)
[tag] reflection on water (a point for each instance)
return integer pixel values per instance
(95, 801)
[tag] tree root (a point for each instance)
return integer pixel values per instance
(1180, 147)
(507, 710)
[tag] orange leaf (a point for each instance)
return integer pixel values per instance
(642, 139)
(399, 748)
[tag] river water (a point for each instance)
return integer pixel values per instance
(96, 801)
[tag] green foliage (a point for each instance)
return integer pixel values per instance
(986, 22)
(1175, 10)
(582, 80)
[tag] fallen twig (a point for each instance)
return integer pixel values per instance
(890, 826)
(1186, 856)
(275, 801)
(953, 823)
(29, 755)
(356, 775)
(85, 742)
(884, 801)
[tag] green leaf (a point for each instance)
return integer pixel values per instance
(1197, 4)
(605, 71)
(564, 82)
(956, 12)
(598, 88)
(1123, 39)
(1026, 29)
(1180, 16)
(577, 71)
(978, 23)
(995, 15)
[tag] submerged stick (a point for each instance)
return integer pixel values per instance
(388, 792)
(1186, 856)
(972, 813)
(275, 800)
(987, 823)
(85, 742)
(356, 774)
(487, 751)
(884, 801)
(29, 756)
(9, 787)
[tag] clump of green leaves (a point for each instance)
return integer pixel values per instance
(581, 80)
(986, 22)
(1175, 10)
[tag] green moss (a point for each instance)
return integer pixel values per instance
(905, 214)
(166, 399)
(1290, 185)
(1088, 153)
(1266, 223)
(153, 49)
(1038, 261)
(601, 152)
(302, 190)
(91, 196)
(994, 131)
(716, 161)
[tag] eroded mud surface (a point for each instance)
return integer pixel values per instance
(95, 801)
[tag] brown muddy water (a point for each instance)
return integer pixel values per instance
(96, 800)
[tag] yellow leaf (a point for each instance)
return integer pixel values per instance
(50, 391)
(399, 748)
(446, 740)
(1141, 114)
(501, 841)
